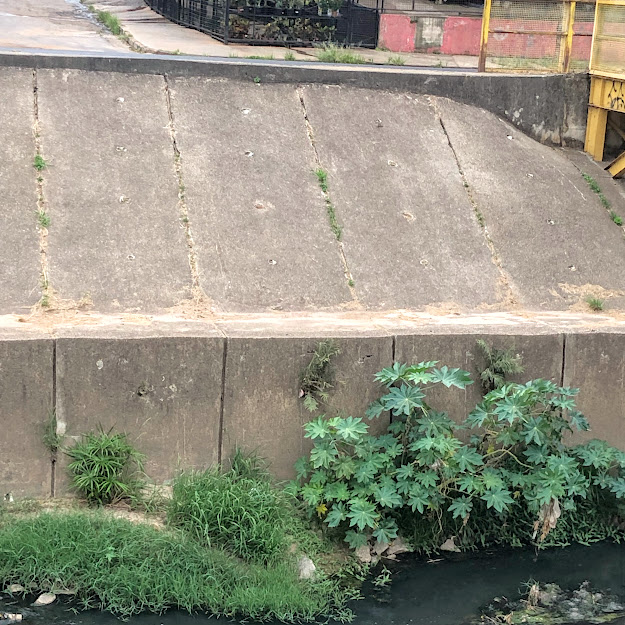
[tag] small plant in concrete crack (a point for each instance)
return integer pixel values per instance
(595, 303)
(594, 186)
(351, 283)
(256, 80)
(289, 56)
(39, 164)
(322, 177)
(616, 218)
(51, 438)
(43, 219)
(500, 363)
(333, 53)
(318, 376)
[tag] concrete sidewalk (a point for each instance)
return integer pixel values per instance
(53, 25)
(151, 32)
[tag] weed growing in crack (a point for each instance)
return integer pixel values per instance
(594, 186)
(322, 178)
(595, 303)
(317, 378)
(396, 60)
(616, 218)
(39, 164)
(51, 438)
(43, 219)
(289, 56)
(351, 282)
(500, 363)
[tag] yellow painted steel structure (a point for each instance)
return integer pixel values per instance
(534, 35)
(607, 81)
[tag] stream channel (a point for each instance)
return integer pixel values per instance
(445, 591)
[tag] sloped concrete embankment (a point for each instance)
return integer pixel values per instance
(194, 199)
(187, 395)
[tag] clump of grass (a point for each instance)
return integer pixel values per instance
(595, 303)
(39, 163)
(43, 219)
(396, 60)
(616, 218)
(289, 56)
(110, 21)
(238, 510)
(106, 467)
(332, 53)
(128, 568)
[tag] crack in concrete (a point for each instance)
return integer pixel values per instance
(505, 281)
(311, 139)
(199, 297)
(41, 212)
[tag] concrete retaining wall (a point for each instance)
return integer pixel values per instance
(189, 393)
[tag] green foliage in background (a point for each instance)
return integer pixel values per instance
(503, 476)
(105, 467)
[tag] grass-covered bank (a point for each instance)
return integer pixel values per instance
(231, 547)
(127, 568)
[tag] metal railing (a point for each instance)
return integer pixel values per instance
(608, 48)
(536, 35)
(276, 22)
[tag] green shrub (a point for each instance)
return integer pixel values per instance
(105, 467)
(510, 483)
(126, 568)
(238, 510)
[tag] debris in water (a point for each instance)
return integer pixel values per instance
(549, 604)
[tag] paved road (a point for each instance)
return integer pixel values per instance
(53, 25)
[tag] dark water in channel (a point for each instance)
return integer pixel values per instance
(421, 593)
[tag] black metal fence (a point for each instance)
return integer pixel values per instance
(276, 22)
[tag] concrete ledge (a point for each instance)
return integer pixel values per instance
(553, 106)
(187, 395)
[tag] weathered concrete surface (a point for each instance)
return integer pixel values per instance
(19, 248)
(112, 190)
(553, 236)
(554, 106)
(163, 390)
(262, 408)
(541, 356)
(411, 237)
(26, 399)
(595, 363)
(257, 213)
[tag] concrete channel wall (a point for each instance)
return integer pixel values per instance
(188, 393)
(550, 108)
